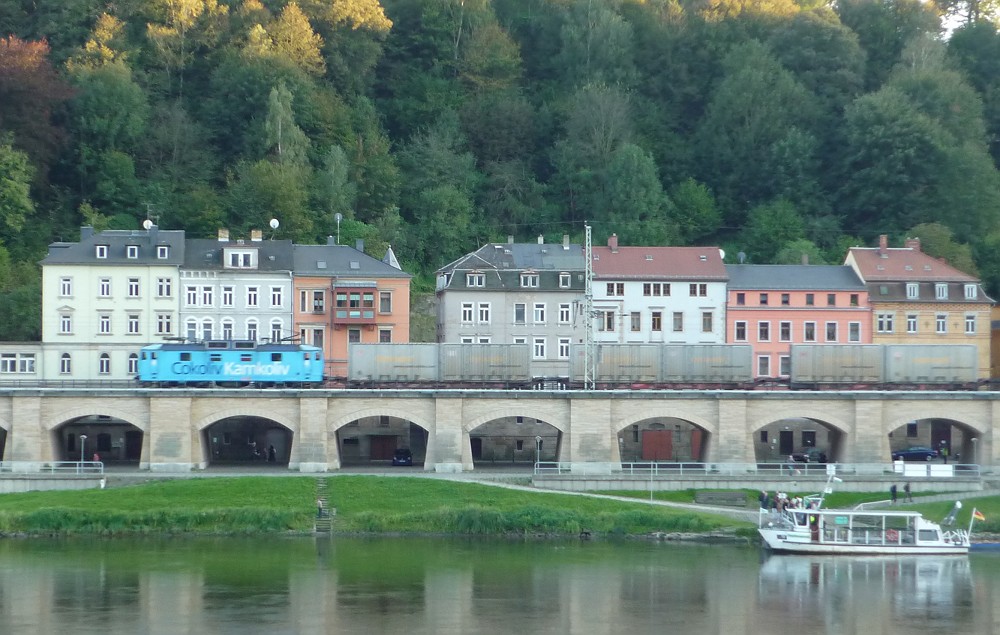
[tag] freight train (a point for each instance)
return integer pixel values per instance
(230, 363)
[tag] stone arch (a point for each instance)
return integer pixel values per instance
(498, 437)
(57, 420)
(653, 440)
(821, 417)
(389, 411)
(510, 411)
(230, 413)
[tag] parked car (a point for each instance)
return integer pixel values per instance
(809, 455)
(916, 453)
(402, 456)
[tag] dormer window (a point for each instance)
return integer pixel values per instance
(102, 252)
(970, 292)
(132, 252)
(941, 291)
(529, 280)
(240, 259)
(162, 252)
(476, 280)
(564, 281)
(912, 290)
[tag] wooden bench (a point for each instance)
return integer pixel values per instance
(729, 499)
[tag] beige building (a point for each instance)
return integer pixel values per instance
(918, 299)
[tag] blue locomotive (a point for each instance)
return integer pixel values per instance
(230, 363)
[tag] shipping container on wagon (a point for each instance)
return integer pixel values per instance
(393, 363)
(707, 363)
(621, 363)
(474, 363)
(837, 364)
(931, 364)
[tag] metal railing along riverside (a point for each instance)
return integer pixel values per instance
(673, 469)
(51, 467)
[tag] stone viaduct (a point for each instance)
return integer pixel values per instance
(173, 421)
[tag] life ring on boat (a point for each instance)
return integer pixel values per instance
(891, 535)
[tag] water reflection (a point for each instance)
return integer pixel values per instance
(466, 586)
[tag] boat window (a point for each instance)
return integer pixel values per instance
(928, 535)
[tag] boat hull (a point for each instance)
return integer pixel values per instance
(783, 541)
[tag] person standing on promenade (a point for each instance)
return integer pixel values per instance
(907, 496)
(892, 493)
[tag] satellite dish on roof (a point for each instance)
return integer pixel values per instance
(722, 254)
(741, 257)
(274, 223)
(146, 224)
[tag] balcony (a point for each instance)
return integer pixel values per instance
(354, 304)
(353, 315)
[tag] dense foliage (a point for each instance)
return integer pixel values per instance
(773, 128)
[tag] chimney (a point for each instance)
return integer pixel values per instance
(913, 243)
(613, 243)
(541, 239)
(86, 232)
(883, 246)
(256, 235)
(805, 259)
(330, 241)
(510, 239)
(359, 244)
(223, 235)
(565, 242)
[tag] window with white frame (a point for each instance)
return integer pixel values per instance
(520, 312)
(101, 252)
(831, 331)
(484, 339)
(942, 323)
(65, 287)
(941, 291)
(240, 260)
(484, 313)
(104, 288)
(276, 330)
(133, 324)
(763, 331)
(970, 292)
(133, 287)
(468, 339)
(206, 329)
(227, 296)
(635, 321)
(883, 322)
(385, 302)
(475, 280)
(564, 344)
(385, 336)
(740, 331)
(785, 331)
(132, 252)
(133, 364)
(190, 296)
(784, 365)
(764, 366)
(808, 331)
(698, 290)
(678, 322)
(65, 324)
(467, 313)
(911, 323)
(529, 280)
(656, 321)
(207, 296)
(17, 363)
(520, 339)
(606, 320)
(191, 329)
(615, 289)
(162, 252)
(227, 329)
(277, 297)
(912, 290)
(707, 322)
(252, 330)
(104, 324)
(564, 281)
(164, 288)
(538, 348)
(104, 364)
(565, 313)
(164, 324)
(538, 315)
(854, 331)
(252, 296)
(970, 324)
(65, 364)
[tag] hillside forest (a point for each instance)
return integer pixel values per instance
(778, 130)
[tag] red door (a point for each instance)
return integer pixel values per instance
(382, 447)
(657, 445)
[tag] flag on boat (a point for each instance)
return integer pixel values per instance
(978, 515)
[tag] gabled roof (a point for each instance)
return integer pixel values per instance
(117, 241)
(659, 263)
(208, 254)
(341, 261)
(794, 277)
(521, 256)
(877, 264)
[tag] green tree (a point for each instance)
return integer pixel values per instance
(264, 190)
(770, 227)
(636, 207)
(15, 188)
(293, 37)
(284, 139)
(976, 49)
(937, 240)
(695, 211)
(800, 251)
(596, 45)
(110, 110)
(334, 192)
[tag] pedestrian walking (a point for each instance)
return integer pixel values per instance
(907, 496)
(892, 493)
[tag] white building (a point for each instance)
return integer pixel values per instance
(106, 297)
(659, 295)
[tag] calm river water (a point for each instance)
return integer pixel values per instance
(401, 585)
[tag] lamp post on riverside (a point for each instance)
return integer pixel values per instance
(538, 450)
(83, 446)
(975, 454)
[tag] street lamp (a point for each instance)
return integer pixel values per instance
(83, 446)
(975, 454)
(538, 450)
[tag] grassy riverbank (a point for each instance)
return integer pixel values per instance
(260, 505)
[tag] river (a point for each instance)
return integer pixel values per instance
(444, 585)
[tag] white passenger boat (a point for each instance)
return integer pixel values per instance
(859, 531)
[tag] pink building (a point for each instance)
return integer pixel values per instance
(772, 307)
